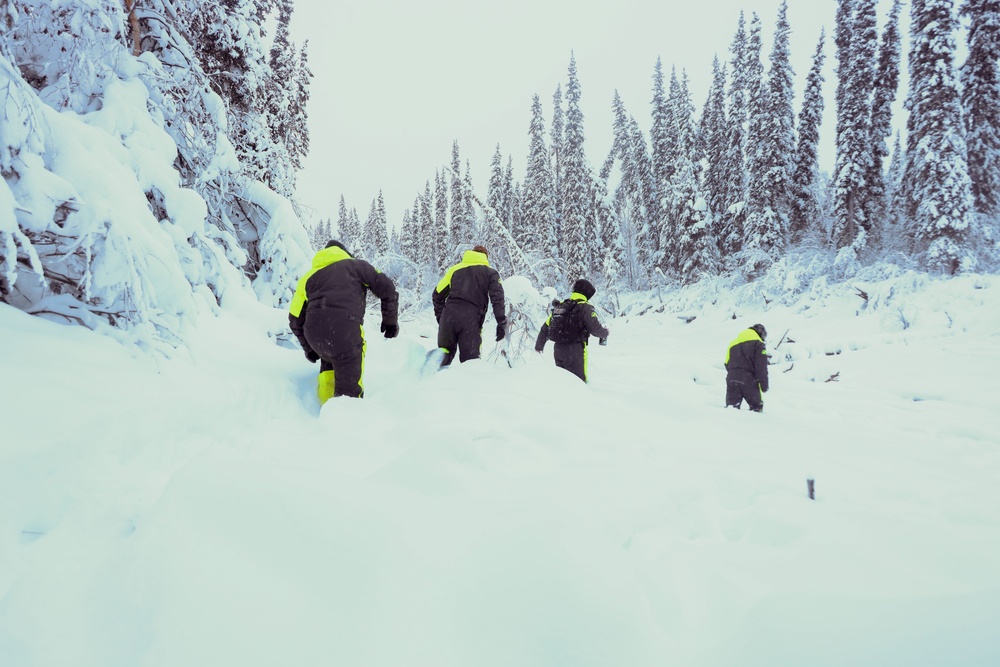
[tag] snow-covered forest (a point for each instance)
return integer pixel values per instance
(172, 492)
(730, 185)
(149, 151)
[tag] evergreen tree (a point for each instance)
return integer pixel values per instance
(883, 96)
(441, 241)
(348, 226)
(697, 250)
(461, 226)
(893, 185)
(611, 258)
(538, 205)
(713, 135)
(734, 167)
(805, 210)
(659, 133)
(854, 150)
(981, 102)
(576, 185)
(558, 137)
(375, 238)
(937, 185)
(769, 194)
(493, 235)
(425, 223)
(649, 204)
(629, 196)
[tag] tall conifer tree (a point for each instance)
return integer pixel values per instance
(883, 96)
(576, 185)
(937, 185)
(854, 148)
(805, 210)
(981, 102)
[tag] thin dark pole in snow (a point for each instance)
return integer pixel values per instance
(812, 489)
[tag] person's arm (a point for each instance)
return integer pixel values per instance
(543, 335)
(383, 288)
(594, 327)
(760, 365)
(297, 319)
(439, 299)
(497, 298)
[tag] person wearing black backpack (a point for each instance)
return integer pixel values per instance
(570, 326)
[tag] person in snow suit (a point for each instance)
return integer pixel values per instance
(746, 369)
(327, 315)
(570, 326)
(461, 299)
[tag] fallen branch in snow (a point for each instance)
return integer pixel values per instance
(863, 294)
(833, 378)
(782, 339)
(789, 368)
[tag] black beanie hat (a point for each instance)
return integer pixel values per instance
(584, 287)
(331, 243)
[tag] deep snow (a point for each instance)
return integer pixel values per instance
(201, 510)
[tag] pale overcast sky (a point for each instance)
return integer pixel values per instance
(397, 81)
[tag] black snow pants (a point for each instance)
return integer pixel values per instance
(740, 389)
(339, 341)
(572, 357)
(460, 330)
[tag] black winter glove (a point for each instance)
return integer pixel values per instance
(602, 341)
(390, 330)
(312, 356)
(501, 330)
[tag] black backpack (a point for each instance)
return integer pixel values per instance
(565, 324)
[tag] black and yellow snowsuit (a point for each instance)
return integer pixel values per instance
(746, 366)
(461, 299)
(573, 355)
(327, 315)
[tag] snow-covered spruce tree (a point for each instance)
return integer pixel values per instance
(804, 217)
(440, 240)
(409, 235)
(893, 240)
(937, 186)
(347, 232)
(883, 96)
(628, 199)
(671, 234)
(558, 138)
(352, 229)
(461, 224)
(650, 209)
(425, 223)
(660, 130)
(713, 134)
(770, 142)
(576, 186)
(692, 245)
(493, 237)
(856, 77)
(734, 166)
(981, 103)
(538, 201)
(610, 259)
(129, 222)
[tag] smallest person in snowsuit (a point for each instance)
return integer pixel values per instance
(461, 299)
(746, 369)
(570, 326)
(327, 315)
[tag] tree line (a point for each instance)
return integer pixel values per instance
(732, 189)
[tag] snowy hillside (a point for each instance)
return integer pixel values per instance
(201, 510)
